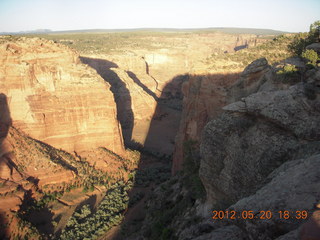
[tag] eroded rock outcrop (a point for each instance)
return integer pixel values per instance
(251, 79)
(254, 137)
(262, 154)
(56, 99)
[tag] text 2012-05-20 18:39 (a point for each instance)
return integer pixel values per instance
(263, 214)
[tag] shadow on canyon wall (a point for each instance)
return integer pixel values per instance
(5, 120)
(165, 121)
(120, 92)
(139, 83)
(202, 95)
(40, 218)
(159, 142)
(5, 123)
(160, 139)
(164, 125)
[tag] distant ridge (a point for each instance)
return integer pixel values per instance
(37, 31)
(230, 30)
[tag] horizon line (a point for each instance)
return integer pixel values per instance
(48, 30)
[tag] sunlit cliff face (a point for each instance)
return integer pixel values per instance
(54, 98)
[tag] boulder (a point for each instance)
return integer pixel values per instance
(293, 187)
(315, 47)
(251, 79)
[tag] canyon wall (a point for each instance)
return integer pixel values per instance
(203, 99)
(149, 116)
(146, 82)
(54, 98)
(59, 137)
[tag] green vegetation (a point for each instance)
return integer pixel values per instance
(288, 74)
(169, 206)
(87, 224)
(191, 165)
(26, 231)
(87, 176)
(149, 175)
(135, 198)
(288, 69)
(299, 43)
(36, 210)
(310, 55)
(301, 40)
(30, 204)
(108, 42)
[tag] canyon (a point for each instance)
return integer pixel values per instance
(73, 120)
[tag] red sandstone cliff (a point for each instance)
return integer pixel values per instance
(46, 94)
(56, 99)
(203, 99)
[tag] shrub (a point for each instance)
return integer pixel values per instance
(298, 45)
(136, 198)
(288, 74)
(288, 69)
(310, 55)
(191, 167)
(314, 33)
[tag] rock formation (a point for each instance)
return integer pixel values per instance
(203, 99)
(136, 103)
(147, 115)
(205, 95)
(251, 79)
(54, 114)
(255, 136)
(262, 154)
(293, 187)
(56, 99)
(154, 70)
(314, 46)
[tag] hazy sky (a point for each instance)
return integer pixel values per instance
(286, 15)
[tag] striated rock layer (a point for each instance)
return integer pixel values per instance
(148, 117)
(54, 98)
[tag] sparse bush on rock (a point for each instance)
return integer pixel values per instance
(311, 56)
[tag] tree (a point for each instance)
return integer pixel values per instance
(314, 33)
(301, 40)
